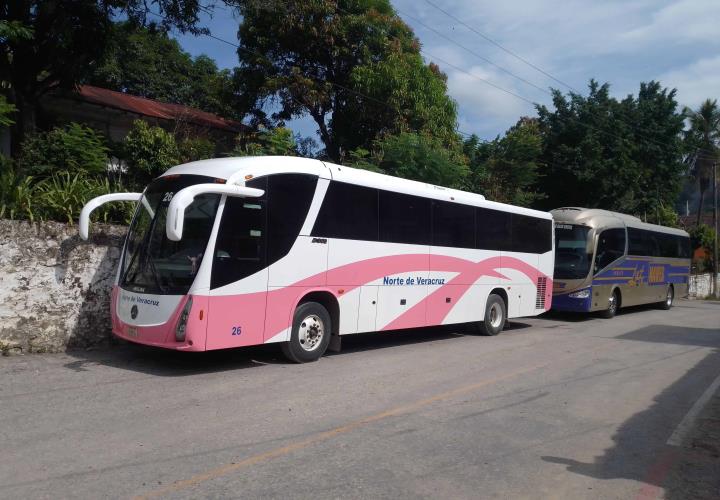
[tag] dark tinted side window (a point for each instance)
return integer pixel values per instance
(256, 232)
(348, 212)
(684, 247)
(494, 229)
(240, 248)
(289, 197)
(531, 234)
(637, 245)
(611, 246)
(453, 225)
(404, 218)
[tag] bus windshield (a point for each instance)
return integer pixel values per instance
(572, 260)
(154, 264)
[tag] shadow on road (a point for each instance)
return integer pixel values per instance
(642, 439)
(169, 363)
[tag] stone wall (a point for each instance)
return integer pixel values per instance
(700, 285)
(54, 287)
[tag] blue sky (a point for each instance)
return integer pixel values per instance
(622, 42)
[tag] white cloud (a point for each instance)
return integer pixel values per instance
(624, 42)
(681, 22)
(696, 81)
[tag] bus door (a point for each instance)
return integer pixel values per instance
(239, 275)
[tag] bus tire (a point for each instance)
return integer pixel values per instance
(613, 306)
(310, 335)
(495, 316)
(669, 298)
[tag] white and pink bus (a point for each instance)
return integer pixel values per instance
(244, 251)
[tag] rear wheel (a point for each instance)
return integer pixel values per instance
(669, 298)
(613, 305)
(495, 316)
(310, 334)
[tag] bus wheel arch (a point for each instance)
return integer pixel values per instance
(316, 304)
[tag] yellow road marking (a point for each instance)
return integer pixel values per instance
(323, 436)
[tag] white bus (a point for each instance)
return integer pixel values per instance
(244, 251)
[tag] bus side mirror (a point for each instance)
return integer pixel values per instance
(184, 197)
(91, 205)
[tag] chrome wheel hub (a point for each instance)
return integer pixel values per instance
(311, 332)
(495, 315)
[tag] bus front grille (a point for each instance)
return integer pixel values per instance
(541, 287)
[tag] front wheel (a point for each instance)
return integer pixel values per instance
(613, 306)
(310, 334)
(495, 316)
(668, 302)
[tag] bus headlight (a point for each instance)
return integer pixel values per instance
(182, 322)
(582, 294)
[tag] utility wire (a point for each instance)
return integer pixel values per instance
(523, 60)
(504, 49)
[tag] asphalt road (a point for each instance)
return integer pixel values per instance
(554, 407)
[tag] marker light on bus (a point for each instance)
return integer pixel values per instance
(582, 294)
(182, 322)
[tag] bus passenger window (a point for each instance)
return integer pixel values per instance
(610, 247)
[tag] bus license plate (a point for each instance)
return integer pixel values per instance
(132, 332)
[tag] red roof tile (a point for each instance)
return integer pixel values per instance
(155, 109)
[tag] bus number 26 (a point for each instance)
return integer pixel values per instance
(236, 330)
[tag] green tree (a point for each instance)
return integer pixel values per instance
(49, 44)
(506, 169)
(145, 61)
(320, 58)
(414, 156)
(395, 95)
(278, 141)
(703, 142)
(74, 148)
(149, 151)
(603, 153)
(7, 110)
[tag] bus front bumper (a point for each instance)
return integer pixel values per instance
(163, 335)
(570, 302)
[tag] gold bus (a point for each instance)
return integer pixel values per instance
(605, 260)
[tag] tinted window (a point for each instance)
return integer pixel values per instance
(611, 246)
(256, 232)
(453, 225)
(240, 246)
(494, 229)
(348, 212)
(289, 197)
(637, 244)
(404, 218)
(531, 234)
(572, 260)
(684, 247)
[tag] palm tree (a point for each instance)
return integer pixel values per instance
(703, 138)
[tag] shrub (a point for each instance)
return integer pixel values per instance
(6, 111)
(149, 151)
(74, 148)
(277, 141)
(194, 149)
(62, 196)
(16, 193)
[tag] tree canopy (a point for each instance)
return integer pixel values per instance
(47, 44)
(145, 61)
(619, 155)
(506, 169)
(353, 66)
